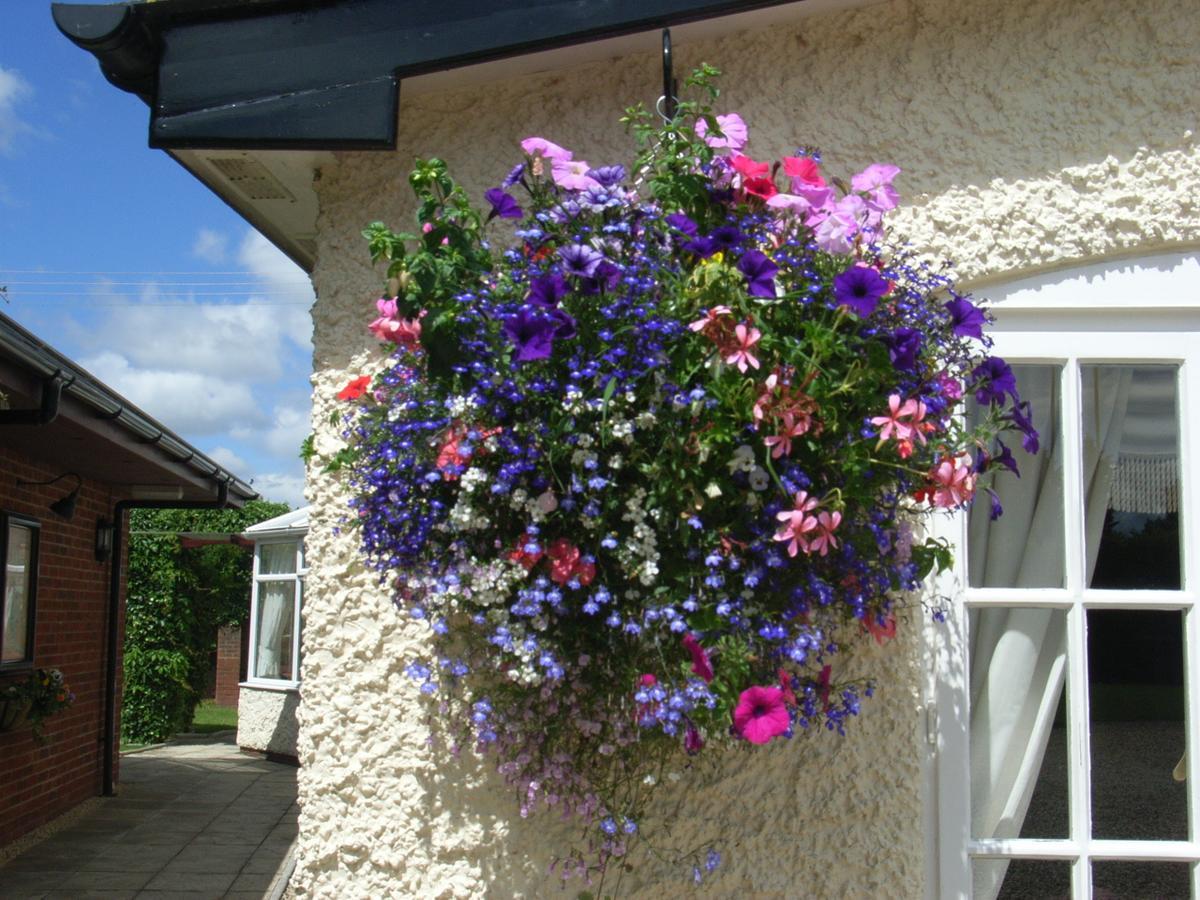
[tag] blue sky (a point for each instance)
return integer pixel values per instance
(117, 257)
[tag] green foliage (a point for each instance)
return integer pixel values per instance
(177, 599)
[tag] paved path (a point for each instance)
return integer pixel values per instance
(192, 821)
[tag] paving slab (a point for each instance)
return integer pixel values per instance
(191, 821)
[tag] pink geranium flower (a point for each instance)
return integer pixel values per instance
(823, 540)
(701, 665)
(761, 714)
(951, 482)
(798, 522)
(390, 327)
(741, 355)
(781, 443)
(891, 426)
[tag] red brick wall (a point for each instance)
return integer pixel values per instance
(39, 782)
(229, 666)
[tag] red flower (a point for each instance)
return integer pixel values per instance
(882, 633)
(756, 177)
(523, 556)
(355, 388)
(804, 169)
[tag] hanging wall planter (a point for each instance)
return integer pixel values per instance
(650, 472)
(14, 713)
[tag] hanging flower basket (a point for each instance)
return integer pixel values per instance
(41, 695)
(651, 471)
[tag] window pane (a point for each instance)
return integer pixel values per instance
(276, 559)
(1025, 547)
(18, 571)
(275, 623)
(1140, 879)
(1017, 736)
(1022, 879)
(1135, 679)
(1131, 476)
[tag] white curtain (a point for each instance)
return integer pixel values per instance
(275, 608)
(1018, 655)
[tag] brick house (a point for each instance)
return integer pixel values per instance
(96, 456)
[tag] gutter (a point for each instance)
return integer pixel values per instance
(112, 637)
(59, 375)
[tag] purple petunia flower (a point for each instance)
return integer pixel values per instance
(968, 319)
(759, 272)
(514, 176)
(996, 509)
(995, 380)
(504, 204)
(904, 345)
(860, 288)
(606, 278)
(580, 260)
(547, 291)
(1022, 416)
(566, 324)
(680, 222)
(532, 335)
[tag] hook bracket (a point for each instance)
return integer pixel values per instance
(667, 102)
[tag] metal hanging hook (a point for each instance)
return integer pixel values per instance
(667, 101)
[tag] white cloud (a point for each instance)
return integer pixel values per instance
(233, 340)
(290, 425)
(281, 487)
(211, 246)
(189, 403)
(13, 89)
(229, 459)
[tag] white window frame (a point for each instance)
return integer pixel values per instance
(296, 577)
(1136, 312)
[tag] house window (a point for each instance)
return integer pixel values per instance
(18, 587)
(275, 605)
(1068, 676)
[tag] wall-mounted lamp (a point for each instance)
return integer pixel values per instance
(64, 507)
(104, 539)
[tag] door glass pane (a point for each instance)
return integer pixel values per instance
(1021, 879)
(1140, 879)
(1018, 741)
(1131, 476)
(1135, 679)
(1025, 547)
(275, 624)
(18, 570)
(276, 559)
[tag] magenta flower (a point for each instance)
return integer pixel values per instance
(701, 665)
(693, 743)
(572, 175)
(761, 714)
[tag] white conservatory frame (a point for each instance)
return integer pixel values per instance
(1139, 311)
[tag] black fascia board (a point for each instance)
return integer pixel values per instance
(325, 74)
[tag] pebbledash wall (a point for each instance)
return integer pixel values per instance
(1032, 133)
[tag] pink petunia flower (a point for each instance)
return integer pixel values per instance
(734, 131)
(571, 175)
(876, 182)
(798, 523)
(701, 665)
(536, 146)
(741, 355)
(761, 714)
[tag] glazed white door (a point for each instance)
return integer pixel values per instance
(1064, 680)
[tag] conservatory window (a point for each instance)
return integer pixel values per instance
(1067, 686)
(18, 587)
(275, 615)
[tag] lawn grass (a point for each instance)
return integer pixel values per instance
(210, 717)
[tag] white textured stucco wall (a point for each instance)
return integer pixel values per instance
(1032, 134)
(267, 719)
